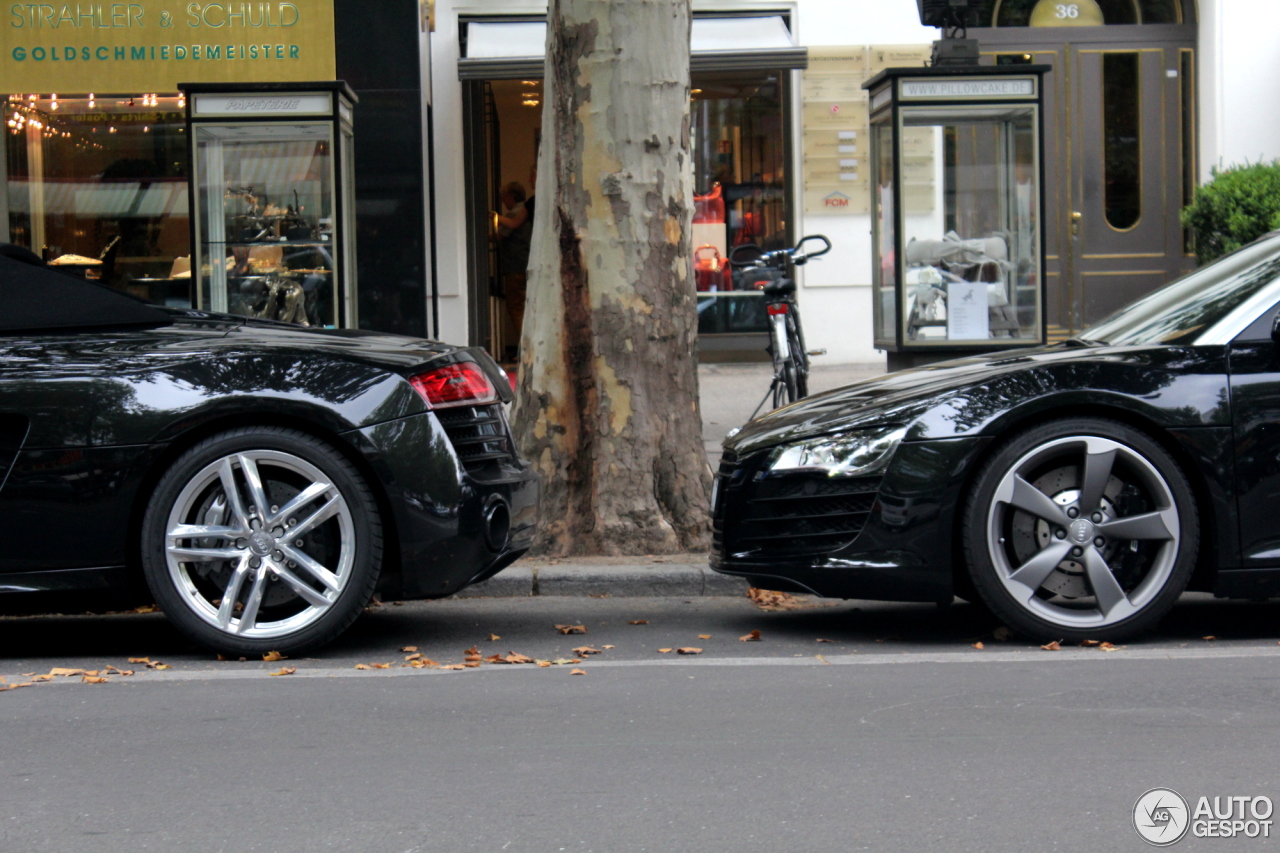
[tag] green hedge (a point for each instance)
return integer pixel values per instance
(1238, 206)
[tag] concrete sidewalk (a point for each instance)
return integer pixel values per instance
(681, 575)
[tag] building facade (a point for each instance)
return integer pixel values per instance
(1144, 98)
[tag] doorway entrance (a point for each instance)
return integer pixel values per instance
(1120, 150)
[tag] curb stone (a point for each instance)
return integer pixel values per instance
(621, 580)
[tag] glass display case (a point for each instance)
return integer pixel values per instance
(272, 193)
(956, 210)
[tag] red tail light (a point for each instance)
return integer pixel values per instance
(462, 384)
(776, 308)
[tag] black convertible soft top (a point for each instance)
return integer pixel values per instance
(34, 297)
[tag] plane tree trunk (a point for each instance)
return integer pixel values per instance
(607, 403)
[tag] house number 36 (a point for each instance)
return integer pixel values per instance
(1066, 10)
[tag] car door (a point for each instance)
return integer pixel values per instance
(1255, 404)
(48, 396)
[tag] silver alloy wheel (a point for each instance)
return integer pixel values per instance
(1060, 502)
(223, 521)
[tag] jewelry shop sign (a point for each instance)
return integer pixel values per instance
(153, 45)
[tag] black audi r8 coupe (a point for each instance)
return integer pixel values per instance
(1076, 489)
(264, 479)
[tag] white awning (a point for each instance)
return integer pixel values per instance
(511, 50)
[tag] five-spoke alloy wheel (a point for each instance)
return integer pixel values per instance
(262, 539)
(1081, 529)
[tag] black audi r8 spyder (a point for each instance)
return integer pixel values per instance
(264, 479)
(1076, 489)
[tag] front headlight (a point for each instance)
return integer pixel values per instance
(851, 455)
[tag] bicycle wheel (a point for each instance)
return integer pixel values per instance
(784, 383)
(799, 358)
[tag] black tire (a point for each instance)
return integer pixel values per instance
(784, 387)
(799, 357)
(339, 526)
(1138, 539)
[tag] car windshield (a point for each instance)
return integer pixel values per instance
(1179, 313)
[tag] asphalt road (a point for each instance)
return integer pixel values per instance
(898, 735)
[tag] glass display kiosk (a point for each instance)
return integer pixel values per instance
(272, 201)
(957, 205)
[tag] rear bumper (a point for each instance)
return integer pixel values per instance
(447, 524)
(898, 545)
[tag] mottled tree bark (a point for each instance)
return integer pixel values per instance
(607, 404)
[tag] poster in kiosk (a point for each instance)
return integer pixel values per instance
(272, 201)
(956, 202)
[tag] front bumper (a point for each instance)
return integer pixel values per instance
(442, 509)
(887, 538)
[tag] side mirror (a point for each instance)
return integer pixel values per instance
(1275, 329)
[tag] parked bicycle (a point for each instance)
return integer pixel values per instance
(769, 271)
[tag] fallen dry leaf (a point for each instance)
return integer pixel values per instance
(1002, 633)
(513, 657)
(414, 656)
(586, 650)
(140, 660)
(91, 672)
(62, 671)
(608, 647)
(544, 663)
(577, 672)
(1210, 637)
(1052, 646)
(493, 637)
(223, 657)
(471, 664)
(754, 636)
(688, 650)
(767, 599)
(978, 645)
(638, 622)
(160, 666)
(1088, 644)
(363, 666)
(1107, 647)
(3, 680)
(473, 658)
(423, 663)
(288, 670)
(16, 686)
(820, 640)
(458, 666)
(704, 636)
(382, 666)
(663, 651)
(111, 670)
(494, 659)
(42, 678)
(572, 629)
(272, 657)
(93, 679)
(474, 650)
(146, 608)
(409, 649)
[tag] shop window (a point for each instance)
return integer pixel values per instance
(1121, 139)
(97, 185)
(1023, 13)
(741, 186)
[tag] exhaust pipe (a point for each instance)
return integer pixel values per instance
(497, 524)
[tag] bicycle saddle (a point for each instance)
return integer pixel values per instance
(781, 287)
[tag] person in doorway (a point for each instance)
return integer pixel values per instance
(515, 234)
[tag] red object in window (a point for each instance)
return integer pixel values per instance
(776, 308)
(462, 384)
(709, 208)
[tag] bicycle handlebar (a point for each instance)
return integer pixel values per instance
(768, 259)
